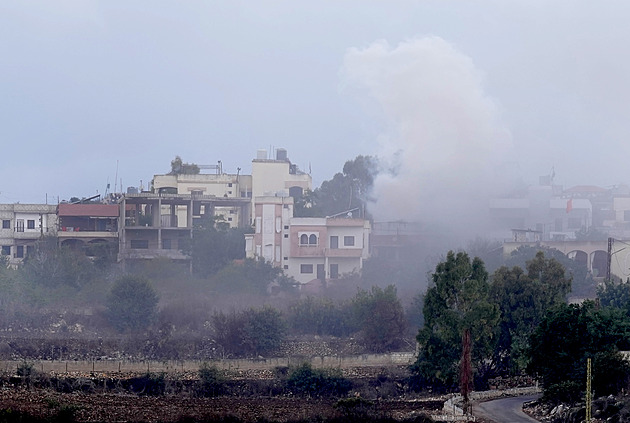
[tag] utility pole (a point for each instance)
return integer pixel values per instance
(609, 258)
(589, 395)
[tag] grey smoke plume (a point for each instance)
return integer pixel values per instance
(444, 146)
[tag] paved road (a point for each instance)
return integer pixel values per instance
(505, 410)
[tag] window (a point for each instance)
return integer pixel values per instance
(348, 241)
(334, 242)
(286, 267)
(306, 268)
(312, 240)
(6, 224)
(6, 250)
(309, 239)
(166, 244)
(286, 258)
(140, 244)
(230, 185)
(30, 224)
(286, 227)
(286, 235)
(229, 219)
(196, 192)
(303, 239)
(20, 251)
(19, 225)
(334, 271)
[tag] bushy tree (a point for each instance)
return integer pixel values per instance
(567, 336)
(250, 276)
(132, 304)
(51, 265)
(576, 277)
(345, 191)
(321, 316)
(252, 332)
(523, 299)
(305, 380)
(214, 246)
(457, 302)
(178, 167)
(380, 317)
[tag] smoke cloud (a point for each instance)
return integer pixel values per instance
(444, 147)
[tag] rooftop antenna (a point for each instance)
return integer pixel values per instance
(116, 178)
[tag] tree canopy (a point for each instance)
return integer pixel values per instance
(178, 167)
(457, 302)
(346, 191)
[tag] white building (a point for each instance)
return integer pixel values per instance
(22, 226)
(307, 248)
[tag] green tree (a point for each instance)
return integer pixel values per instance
(457, 302)
(581, 281)
(345, 191)
(567, 336)
(249, 332)
(613, 294)
(214, 245)
(250, 276)
(523, 299)
(178, 167)
(132, 304)
(380, 317)
(321, 316)
(305, 380)
(51, 265)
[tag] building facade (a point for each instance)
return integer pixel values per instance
(22, 226)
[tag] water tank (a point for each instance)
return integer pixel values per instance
(281, 154)
(261, 154)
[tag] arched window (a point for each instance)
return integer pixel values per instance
(304, 239)
(312, 240)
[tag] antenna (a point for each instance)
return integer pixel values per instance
(116, 178)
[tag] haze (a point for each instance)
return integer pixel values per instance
(452, 96)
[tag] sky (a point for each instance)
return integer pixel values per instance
(458, 97)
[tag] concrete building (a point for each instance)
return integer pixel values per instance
(87, 226)
(22, 226)
(161, 225)
(270, 177)
(310, 248)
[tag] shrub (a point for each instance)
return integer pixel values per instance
(249, 332)
(132, 304)
(304, 380)
(211, 381)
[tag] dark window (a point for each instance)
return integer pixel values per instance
(286, 227)
(230, 185)
(334, 271)
(286, 235)
(6, 250)
(20, 251)
(140, 244)
(286, 266)
(303, 239)
(348, 241)
(286, 258)
(312, 240)
(229, 219)
(334, 242)
(19, 225)
(166, 244)
(6, 224)
(30, 224)
(306, 268)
